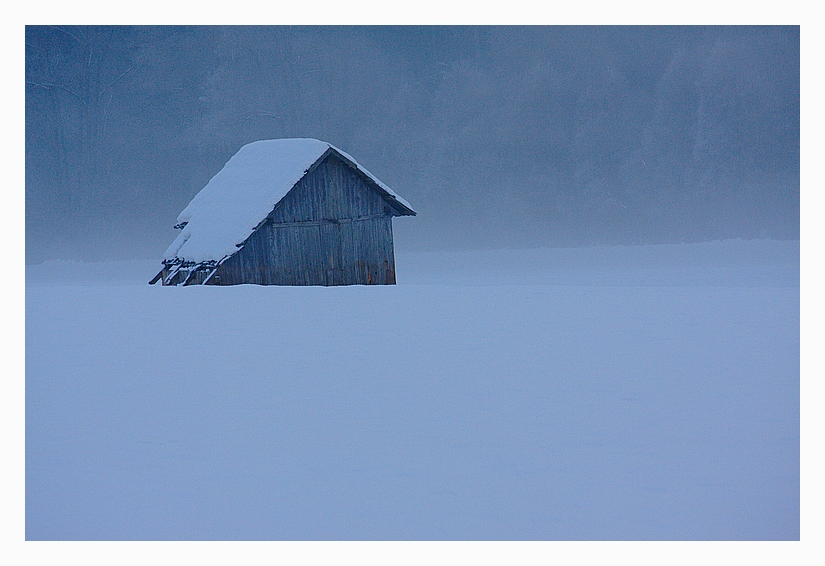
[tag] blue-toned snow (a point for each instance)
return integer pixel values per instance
(596, 393)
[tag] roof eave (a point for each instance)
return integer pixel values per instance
(400, 207)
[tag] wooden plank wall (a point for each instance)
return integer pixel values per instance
(331, 229)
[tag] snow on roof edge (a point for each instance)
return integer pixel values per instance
(375, 179)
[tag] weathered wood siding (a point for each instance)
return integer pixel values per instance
(331, 229)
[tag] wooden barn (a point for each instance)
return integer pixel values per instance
(287, 212)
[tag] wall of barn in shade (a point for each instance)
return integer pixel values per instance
(332, 228)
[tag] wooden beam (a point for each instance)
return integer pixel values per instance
(156, 278)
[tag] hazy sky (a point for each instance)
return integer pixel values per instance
(498, 136)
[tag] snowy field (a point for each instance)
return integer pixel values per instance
(595, 393)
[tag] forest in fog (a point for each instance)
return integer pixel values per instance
(497, 136)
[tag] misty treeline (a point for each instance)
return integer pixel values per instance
(498, 136)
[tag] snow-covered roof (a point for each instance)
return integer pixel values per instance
(229, 208)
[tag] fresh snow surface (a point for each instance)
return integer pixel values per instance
(596, 393)
(226, 211)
